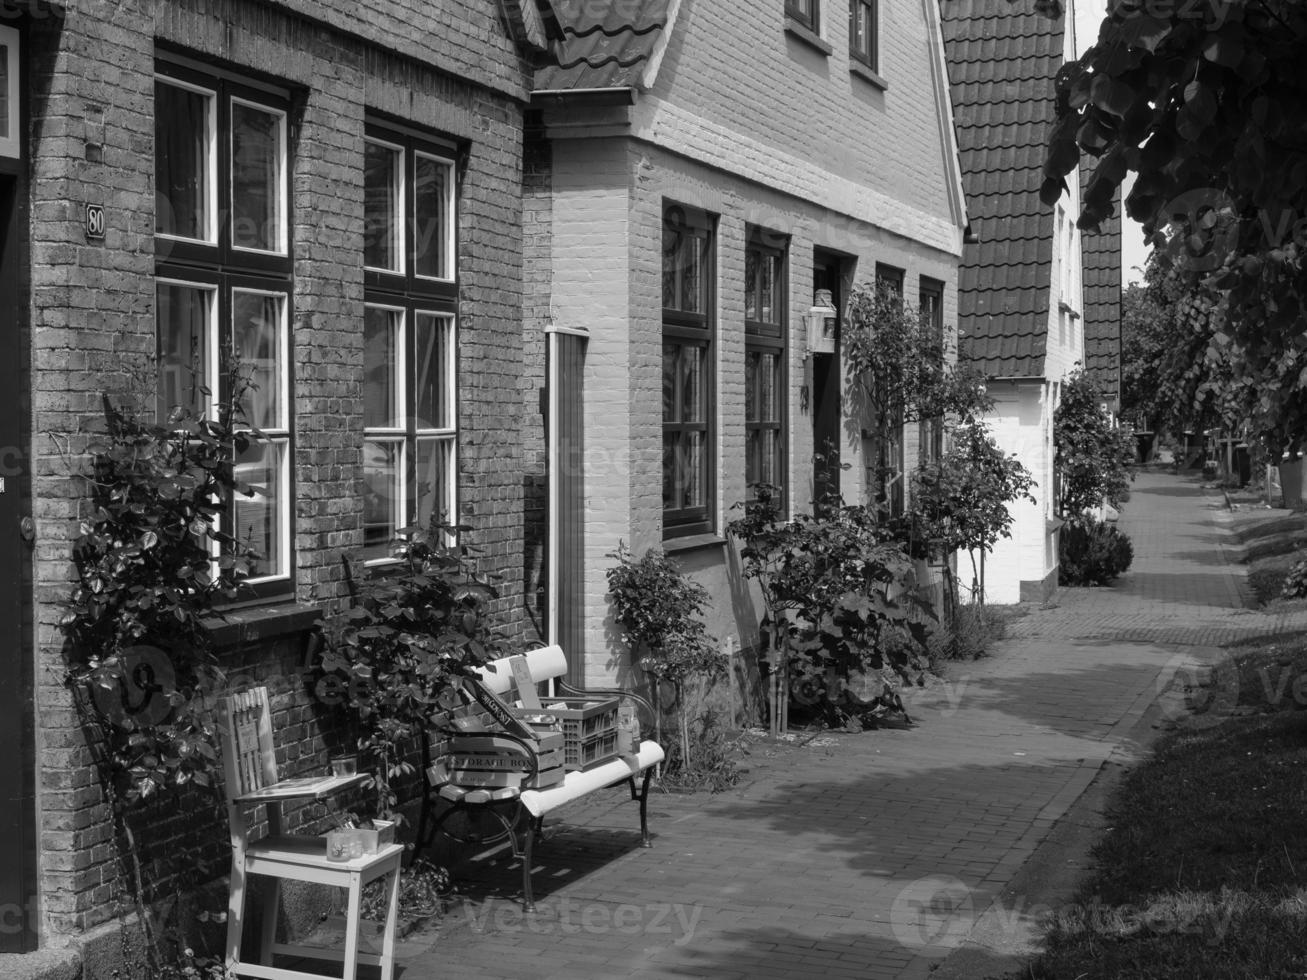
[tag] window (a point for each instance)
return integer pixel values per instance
(410, 448)
(223, 284)
(863, 38)
(9, 106)
(806, 12)
(764, 360)
(890, 457)
(688, 395)
(932, 315)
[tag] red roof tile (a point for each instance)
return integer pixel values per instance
(605, 44)
(1101, 275)
(1001, 62)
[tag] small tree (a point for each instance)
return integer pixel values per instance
(902, 371)
(960, 503)
(660, 610)
(1094, 457)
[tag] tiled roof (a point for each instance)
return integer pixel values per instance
(1101, 275)
(1001, 61)
(605, 44)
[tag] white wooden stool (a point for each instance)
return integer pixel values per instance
(251, 769)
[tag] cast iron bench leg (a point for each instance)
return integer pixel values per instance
(644, 807)
(528, 900)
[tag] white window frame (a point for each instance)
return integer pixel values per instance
(11, 146)
(452, 217)
(399, 409)
(279, 435)
(283, 162)
(400, 243)
(211, 153)
(448, 433)
(209, 356)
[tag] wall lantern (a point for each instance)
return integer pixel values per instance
(821, 319)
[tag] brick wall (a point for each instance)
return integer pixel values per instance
(445, 66)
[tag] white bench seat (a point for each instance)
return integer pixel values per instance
(575, 785)
(508, 805)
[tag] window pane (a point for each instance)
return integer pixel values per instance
(751, 262)
(258, 323)
(671, 249)
(669, 382)
(183, 325)
(752, 361)
(753, 457)
(692, 475)
(381, 394)
(431, 218)
(4, 91)
(768, 388)
(691, 274)
(670, 500)
(383, 493)
(433, 374)
(435, 482)
(381, 205)
(182, 162)
(257, 183)
(259, 517)
(691, 384)
(771, 457)
(767, 288)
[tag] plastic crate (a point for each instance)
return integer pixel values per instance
(589, 752)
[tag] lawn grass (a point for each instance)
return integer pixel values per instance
(1202, 873)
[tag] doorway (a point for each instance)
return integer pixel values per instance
(827, 274)
(18, 906)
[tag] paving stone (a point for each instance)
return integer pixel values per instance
(872, 860)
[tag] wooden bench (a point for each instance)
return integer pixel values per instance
(512, 805)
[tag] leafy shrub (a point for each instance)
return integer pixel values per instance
(1295, 582)
(413, 630)
(1092, 553)
(840, 595)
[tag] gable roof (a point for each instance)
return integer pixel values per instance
(606, 44)
(1001, 62)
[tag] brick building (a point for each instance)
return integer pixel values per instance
(699, 177)
(1021, 311)
(334, 191)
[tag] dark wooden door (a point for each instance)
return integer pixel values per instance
(17, 796)
(826, 274)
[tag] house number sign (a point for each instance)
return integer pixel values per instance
(95, 221)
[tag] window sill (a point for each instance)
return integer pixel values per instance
(806, 35)
(692, 542)
(867, 74)
(253, 624)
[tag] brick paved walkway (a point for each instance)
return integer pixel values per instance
(869, 856)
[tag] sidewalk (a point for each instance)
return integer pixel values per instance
(874, 855)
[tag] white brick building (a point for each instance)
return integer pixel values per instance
(700, 170)
(1021, 310)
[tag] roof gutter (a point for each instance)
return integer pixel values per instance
(587, 96)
